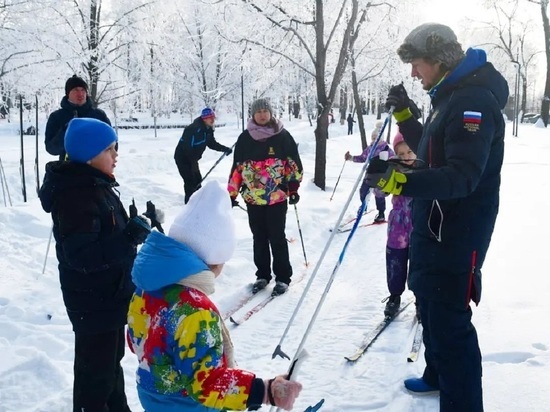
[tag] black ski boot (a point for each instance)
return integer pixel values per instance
(279, 289)
(380, 217)
(392, 306)
(259, 285)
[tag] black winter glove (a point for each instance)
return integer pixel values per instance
(416, 112)
(398, 98)
(133, 209)
(228, 151)
(137, 230)
(234, 202)
(293, 198)
(156, 216)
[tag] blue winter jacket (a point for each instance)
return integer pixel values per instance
(456, 195)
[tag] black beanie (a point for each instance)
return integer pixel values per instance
(73, 82)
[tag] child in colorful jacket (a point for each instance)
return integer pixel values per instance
(266, 171)
(362, 158)
(184, 350)
(399, 232)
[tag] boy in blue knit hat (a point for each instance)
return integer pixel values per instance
(95, 245)
(191, 146)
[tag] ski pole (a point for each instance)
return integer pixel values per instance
(215, 164)
(278, 350)
(300, 231)
(293, 370)
(47, 251)
(337, 181)
(5, 181)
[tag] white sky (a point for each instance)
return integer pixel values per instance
(512, 320)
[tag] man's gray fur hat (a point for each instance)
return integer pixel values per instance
(432, 40)
(260, 104)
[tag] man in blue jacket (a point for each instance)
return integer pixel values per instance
(192, 145)
(75, 103)
(455, 193)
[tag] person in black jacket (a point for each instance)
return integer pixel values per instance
(191, 146)
(95, 245)
(350, 123)
(267, 171)
(75, 103)
(455, 202)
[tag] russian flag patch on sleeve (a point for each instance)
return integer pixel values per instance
(472, 120)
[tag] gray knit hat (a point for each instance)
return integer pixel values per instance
(260, 104)
(432, 40)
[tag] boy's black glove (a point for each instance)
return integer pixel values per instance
(133, 209)
(137, 229)
(234, 202)
(155, 215)
(398, 98)
(228, 151)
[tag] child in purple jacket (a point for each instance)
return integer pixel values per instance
(382, 146)
(399, 232)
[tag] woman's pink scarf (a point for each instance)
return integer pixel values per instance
(261, 133)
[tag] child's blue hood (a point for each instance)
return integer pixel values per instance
(163, 261)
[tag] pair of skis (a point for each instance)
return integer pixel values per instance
(377, 331)
(246, 299)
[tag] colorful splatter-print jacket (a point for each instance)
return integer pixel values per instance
(176, 333)
(265, 172)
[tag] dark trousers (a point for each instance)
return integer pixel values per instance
(98, 376)
(191, 174)
(350, 128)
(453, 358)
(397, 268)
(267, 224)
(380, 204)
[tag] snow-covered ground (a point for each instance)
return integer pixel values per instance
(36, 341)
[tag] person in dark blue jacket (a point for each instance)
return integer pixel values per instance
(75, 103)
(455, 202)
(95, 245)
(191, 146)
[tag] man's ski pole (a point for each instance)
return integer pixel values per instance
(337, 181)
(278, 350)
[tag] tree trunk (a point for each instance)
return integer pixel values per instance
(321, 136)
(357, 100)
(93, 72)
(546, 26)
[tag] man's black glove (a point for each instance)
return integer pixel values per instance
(137, 229)
(398, 98)
(234, 202)
(385, 176)
(293, 198)
(155, 215)
(416, 112)
(228, 151)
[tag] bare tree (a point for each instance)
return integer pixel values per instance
(327, 49)
(544, 111)
(95, 42)
(512, 39)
